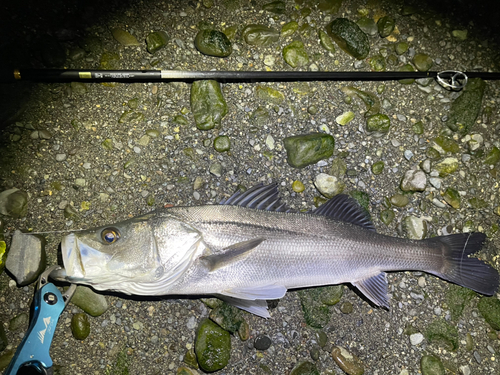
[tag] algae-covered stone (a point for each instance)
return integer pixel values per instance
(298, 186)
(185, 371)
(422, 62)
(399, 200)
(447, 144)
(338, 168)
(124, 38)
(80, 326)
(289, 29)
(156, 41)
(452, 197)
(260, 35)
(269, 94)
(370, 99)
(349, 37)
(295, 54)
(457, 298)
(305, 368)
(407, 68)
(329, 6)
(465, 109)
(222, 143)
(304, 150)
(415, 227)
(387, 216)
(401, 48)
(431, 365)
(207, 104)
(493, 156)
(378, 167)
(316, 313)
(213, 43)
(385, 26)
(227, 317)
(378, 124)
(368, 26)
(276, 7)
(446, 166)
(212, 346)
(131, 117)
(14, 203)
(489, 307)
(92, 303)
(347, 361)
(345, 118)
(377, 63)
(326, 42)
(442, 333)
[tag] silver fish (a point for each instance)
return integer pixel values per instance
(252, 248)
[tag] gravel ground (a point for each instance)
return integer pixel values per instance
(71, 166)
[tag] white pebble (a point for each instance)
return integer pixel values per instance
(416, 338)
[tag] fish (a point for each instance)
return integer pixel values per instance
(251, 248)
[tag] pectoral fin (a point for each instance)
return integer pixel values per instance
(375, 289)
(231, 254)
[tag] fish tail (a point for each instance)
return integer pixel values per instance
(459, 267)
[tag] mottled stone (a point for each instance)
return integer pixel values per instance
(156, 41)
(349, 37)
(431, 365)
(385, 26)
(446, 166)
(207, 104)
(260, 35)
(347, 361)
(13, 203)
(414, 180)
(465, 109)
(303, 150)
(295, 54)
(213, 43)
(212, 346)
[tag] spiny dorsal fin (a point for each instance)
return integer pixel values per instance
(231, 254)
(259, 197)
(344, 208)
(375, 289)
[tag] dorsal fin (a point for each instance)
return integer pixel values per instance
(344, 208)
(259, 197)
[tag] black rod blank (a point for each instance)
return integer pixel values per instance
(73, 75)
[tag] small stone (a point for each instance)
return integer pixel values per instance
(260, 35)
(212, 346)
(414, 180)
(465, 109)
(326, 42)
(44, 134)
(387, 216)
(124, 38)
(156, 41)
(216, 169)
(107, 144)
(378, 124)
(378, 167)
(289, 29)
(446, 166)
(262, 342)
(368, 26)
(399, 200)
(298, 186)
(385, 26)
(198, 183)
(328, 185)
(14, 203)
(222, 143)
(92, 303)
(80, 182)
(493, 156)
(465, 370)
(26, 258)
(144, 140)
(244, 331)
(270, 142)
(295, 54)
(346, 308)
(415, 227)
(452, 197)
(416, 338)
(347, 361)
(80, 326)
(269, 95)
(349, 37)
(305, 368)
(303, 150)
(213, 43)
(460, 34)
(345, 118)
(422, 62)
(431, 365)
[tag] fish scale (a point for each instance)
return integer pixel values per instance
(246, 254)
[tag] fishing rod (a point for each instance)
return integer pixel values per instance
(450, 79)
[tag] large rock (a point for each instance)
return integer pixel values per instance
(207, 104)
(212, 346)
(349, 37)
(26, 259)
(304, 150)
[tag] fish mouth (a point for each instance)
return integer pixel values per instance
(72, 261)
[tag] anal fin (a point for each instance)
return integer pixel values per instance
(375, 289)
(257, 307)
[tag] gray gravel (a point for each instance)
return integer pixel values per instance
(52, 148)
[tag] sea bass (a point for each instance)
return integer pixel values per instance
(252, 248)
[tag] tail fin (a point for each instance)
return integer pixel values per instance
(461, 269)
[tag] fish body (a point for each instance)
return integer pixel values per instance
(252, 248)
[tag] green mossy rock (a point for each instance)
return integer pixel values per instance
(329, 6)
(465, 109)
(304, 150)
(212, 346)
(213, 43)
(489, 307)
(89, 301)
(80, 326)
(452, 197)
(349, 37)
(368, 26)
(326, 42)
(222, 143)
(378, 167)
(124, 37)
(227, 317)
(457, 298)
(316, 313)
(260, 35)
(305, 368)
(422, 62)
(385, 26)
(446, 166)
(276, 7)
(407, 68)
(493, 156)
(289, 29)
(156, 41)
(431, 365)
(207, 104)
(378, 124)
(442, 333)
(387, 216)
(295, 54)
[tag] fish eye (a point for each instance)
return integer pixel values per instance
(110, 235)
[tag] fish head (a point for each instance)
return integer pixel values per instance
(109, 257)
